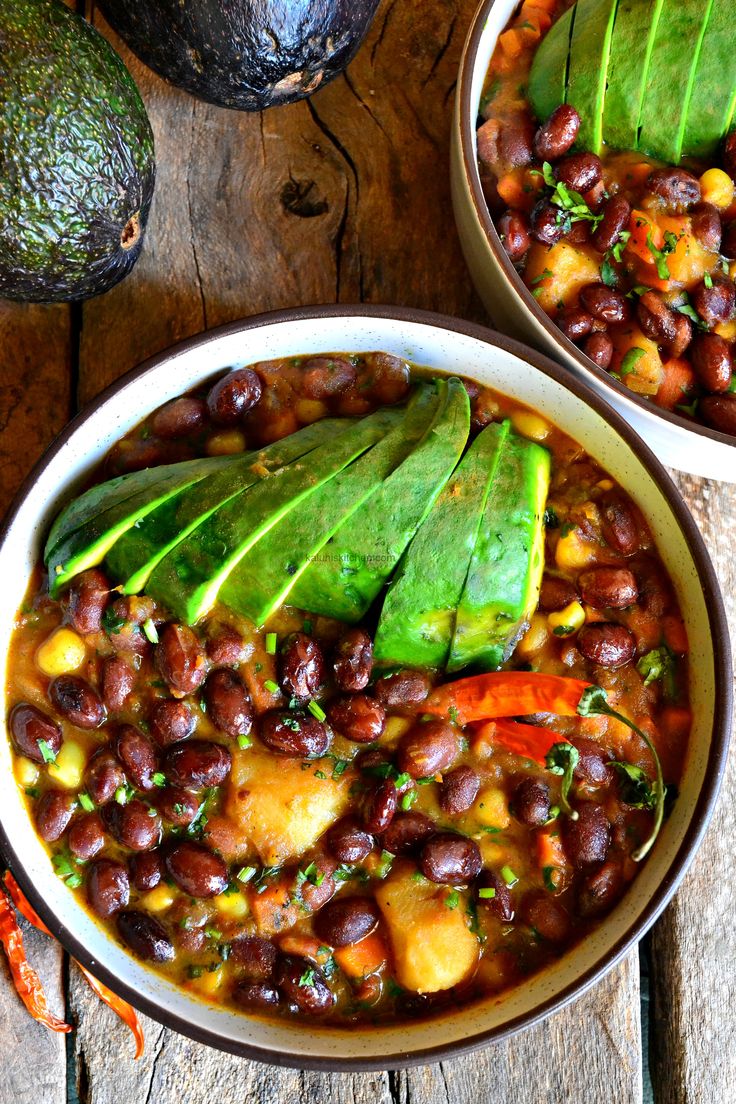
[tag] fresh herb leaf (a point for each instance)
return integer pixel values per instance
(452, 900)
(562, 759)
(660, 664)
(551, 520)
(158, 779)
(616, 250)
(246, 873)
(150, 631)
(244, 741)
(546, 274)
(708, 280)
(271, 686)
(408, 800)
(688, 408)
(307, 977)
(384, 864)
(630, 360)
(636, 791)
(271, 643)
(111, 621)
(550, 874)
(48, 753)
(573, 207)
(608, 273)
(317, 711)
(509, 877)
(341, 765)
(659, 256)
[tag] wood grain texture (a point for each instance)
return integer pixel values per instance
(694, 944)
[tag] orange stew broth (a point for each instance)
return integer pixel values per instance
(552, 899)
(677, 374)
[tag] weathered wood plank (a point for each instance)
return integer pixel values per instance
(693, 1020)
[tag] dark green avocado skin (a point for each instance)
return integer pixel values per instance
(246, 54)
(76, 157)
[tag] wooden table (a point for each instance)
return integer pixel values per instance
(344, 197)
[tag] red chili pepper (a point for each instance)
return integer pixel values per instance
(505, 694)
(23, 905)
(126, 1013)
(528, 741)
(26, 980)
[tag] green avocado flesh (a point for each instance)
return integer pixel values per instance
(356, 563)
(188, 579)
(261, 582)
(714, 86)
(628, 64)
(502, 585)
(135, 554)
(586, 77)
(418, 616)
(548, 76)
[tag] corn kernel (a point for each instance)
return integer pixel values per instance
(158, 899)
(567, 621)
(716, 187)
(232, 905)
(605, 484)
(491, 808)
(574, 552)
(534, 638)
(69, 766)
(62, 652)
(26, 771)
(209, 982)
(226, 443)
(310, 410)
(530, 425)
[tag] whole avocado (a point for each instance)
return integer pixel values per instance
(246, 54)
(76, 156)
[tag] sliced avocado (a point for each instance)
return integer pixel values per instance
(261, 582)
(365, 550)
(586, 77)
(502, 585)
(548, 74)
(711, 102)
(682, 25)
(135, 554)
(632, 41)
(418, 616)
(188, 579)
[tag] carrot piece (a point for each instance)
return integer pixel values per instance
(511, 188)
(511, 43)
(27, 982)
(552, 859)
(675, 721)
(360, 959)
(306, 946)
(530, 741)
(23, 905)
(675, 635)
(120, 1007)
(677, 383)
(641, 228)
(505, 694)
(273, 910)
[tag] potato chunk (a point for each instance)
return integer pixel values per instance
(433, 947)
(280, 809)
(557, 273)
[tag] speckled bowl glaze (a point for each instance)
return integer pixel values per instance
(446, 345)
(675, 440)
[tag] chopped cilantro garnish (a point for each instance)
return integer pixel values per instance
(617, 249)
(244, 741)
(158, 779)
(111, 621)
(573, 207)
(562, 759)
(630, 360)
(308, 977)
(48, 753)
(659, 664)
(452, 900)
(659, 256)
(213, 933)
(546, 274)
(636, 790)
(708, 280)
(608, 273)
(408, 800)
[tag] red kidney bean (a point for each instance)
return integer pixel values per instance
(233, 396)
(677, 187)
(555, 137)
(76, 700)
(458, 790)
(427, 748)
(294, 733)
(605, 303)
(616, 211)
(599, 348)
(29, 728)
(179, 417)
(588, 838)
(349, 842)
(620, 528)
(53, 813)
(655, 596)
(303, 984)
(380, 806)
(592, 765)
(608, 587)
(601, 889)
(719, 412)
(359, 718)
(257, 994)
(513, 230)
(606, 644)
(135, 825)
(388, 377)
(108, 888)
(706, 225)
(86, 836)
(196, 870)
(531, 803)
(88, 596)
(103, 775)
(346, 920)
(145, 935)
(515, 140)
(180, 659)
(353, 661)
(500, 905)
(556, 593)
(407, 833)
(728, 243)
(579, 171)
(575, 323)
(546, 916)
(715, 303)
(655, 317)
(170, 722)
(683, 335)
(403, 691)
(228, 705)
(450, 859)
(196, 764)
(178, 806)
(547, 222)
(324, 377)
(146, 869)
(136, 752)
(578, 233)
(711, 358)
(255, 957)
(118, 680)
(313, 895)
(301, 666)
(226, 648)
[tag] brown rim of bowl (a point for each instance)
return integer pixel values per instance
(716, 757)
(468, 115)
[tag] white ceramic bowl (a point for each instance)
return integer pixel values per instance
(450, 346)
(514, 311)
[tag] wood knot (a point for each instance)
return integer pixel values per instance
(298, 198)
